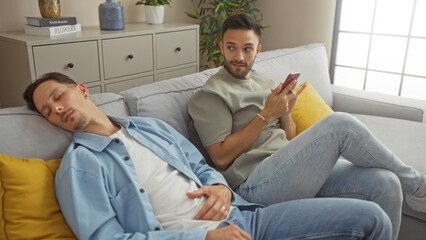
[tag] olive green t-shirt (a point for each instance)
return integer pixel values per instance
(225, 105)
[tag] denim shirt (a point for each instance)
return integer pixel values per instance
(97, 188)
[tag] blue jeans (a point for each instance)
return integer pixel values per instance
(308, 167)
(318, 218)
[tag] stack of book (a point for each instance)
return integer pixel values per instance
(51, 26)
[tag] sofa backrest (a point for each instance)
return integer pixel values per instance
(26, 134)
(166, 100)
(310, 60)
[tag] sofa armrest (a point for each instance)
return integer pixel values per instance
(369, 103)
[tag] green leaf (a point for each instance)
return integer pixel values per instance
(232, 4)
(191, 15)
(218, 7)
(216, 52)
(194, 8)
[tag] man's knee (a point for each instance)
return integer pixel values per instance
(382, 226)
(390, 184)
(375, 221)
(341, 118)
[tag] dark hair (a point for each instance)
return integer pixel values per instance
(55, 76)
(241, 21)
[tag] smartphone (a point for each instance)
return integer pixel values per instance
(289, 79)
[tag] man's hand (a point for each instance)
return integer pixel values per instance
(280, 102)
(228, 233)
(217, 204)
(292, 96)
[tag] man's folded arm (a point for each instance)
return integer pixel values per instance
(88, 211)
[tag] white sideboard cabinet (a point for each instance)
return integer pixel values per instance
(105, 61)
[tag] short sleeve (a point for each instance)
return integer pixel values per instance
(212, 117)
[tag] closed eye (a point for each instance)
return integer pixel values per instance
(58, 96)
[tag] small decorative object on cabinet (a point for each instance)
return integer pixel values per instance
(49, 8)
(53, 31)
(111, 15)
(154, 10)
(105, 61)
(50, 22)
(154, 14)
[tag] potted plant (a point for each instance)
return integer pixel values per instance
(212, 13)
(154, 10)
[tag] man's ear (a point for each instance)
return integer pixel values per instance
(83, 89)
(259, 48)
(221, 47)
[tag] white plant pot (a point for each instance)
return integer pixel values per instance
(154, 14)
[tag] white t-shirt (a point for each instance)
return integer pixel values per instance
(166, 188)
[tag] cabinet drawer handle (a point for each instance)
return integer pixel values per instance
(130, 56)
(70, 65)
(178, 49)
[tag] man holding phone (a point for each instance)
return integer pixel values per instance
(244, 123)
(290, 78)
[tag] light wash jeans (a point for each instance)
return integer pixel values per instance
(308, 167)
(316, 218)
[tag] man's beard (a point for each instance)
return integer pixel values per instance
(238, 74)
(81, 122)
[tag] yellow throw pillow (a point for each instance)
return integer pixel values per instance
(309, 109)
(28, 206)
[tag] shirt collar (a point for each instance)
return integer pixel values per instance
(97, 142)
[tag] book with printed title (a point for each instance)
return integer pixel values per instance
(52, 31)
(50, 22)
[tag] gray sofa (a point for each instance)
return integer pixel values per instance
(399, 123)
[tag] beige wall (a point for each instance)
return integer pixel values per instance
(297, 22)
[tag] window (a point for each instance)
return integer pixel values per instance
(380, 46)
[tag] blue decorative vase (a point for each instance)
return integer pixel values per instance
(111, 15)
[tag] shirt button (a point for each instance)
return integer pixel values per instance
(141, 190)
(126, 158)
(117, 140)
(269, 134)
(157, 229)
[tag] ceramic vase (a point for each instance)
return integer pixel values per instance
(111, 15)
(49, 8)
(154, 14)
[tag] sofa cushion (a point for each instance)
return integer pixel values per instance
(166, 100)
(28, 206)
(407, 139)
(111, 104)
(310, 60)
(27, 134)
(309, 109)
